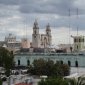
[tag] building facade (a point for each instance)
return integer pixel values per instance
(79, 43)
(11, 43)
(46, 39)
(25, 43)
(41, 40)
(73, 59)
(35, 36)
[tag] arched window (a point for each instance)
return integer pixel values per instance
(18, 62)
(77, 47)
(45, 41)
(47, 33)
(71, 49)
(35, 32)
(58, 62)
(75, 40)
(61, 62)
(28, 62)
(79, 40)
(69, 63)
(76, 63)
(83, 40)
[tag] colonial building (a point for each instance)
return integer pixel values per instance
(72, 59)
(46, 39)
(11, 43)
(25, 43)
(10, 38)
(41, 40)
(79, 43)
(35, 36)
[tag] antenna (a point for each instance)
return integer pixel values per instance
(69, 24)
(26, 28)
(25, 31)
(36, 19)
(77, 35)
(77, 21)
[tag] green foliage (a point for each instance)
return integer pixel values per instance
(49, 68)
(61, 81)
(6, 59)
(0, 82)
(7, 72)
(53, 81)
(79, 81)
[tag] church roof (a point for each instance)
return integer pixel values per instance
(23, 84)
(43, 35)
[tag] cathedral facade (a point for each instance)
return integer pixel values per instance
(41, 40)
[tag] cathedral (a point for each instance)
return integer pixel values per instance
(41, 40)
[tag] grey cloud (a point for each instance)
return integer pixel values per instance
(8, 11)
(59, 7)
(9, 2)
(44, 19)
(31, 9)
(74, 22)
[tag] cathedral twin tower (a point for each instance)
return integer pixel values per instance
(41, 40)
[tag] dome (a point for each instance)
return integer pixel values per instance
(11, 36)
(48, 27)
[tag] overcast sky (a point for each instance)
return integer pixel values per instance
(17, 17)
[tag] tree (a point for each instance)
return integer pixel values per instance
(49, 68)
(38, 67)
(6, 59)
(65, 69)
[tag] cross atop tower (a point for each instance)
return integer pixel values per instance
(48, 27)
(35, 23)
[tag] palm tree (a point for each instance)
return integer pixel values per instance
(79, 81)
(0, 82)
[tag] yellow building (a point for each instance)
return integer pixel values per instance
(25, 43)
(78, 43)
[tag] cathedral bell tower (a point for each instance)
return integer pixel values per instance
(48, 33)
(35, 36)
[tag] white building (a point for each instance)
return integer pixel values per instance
(67, 47)
(72, 59)
(10, 38)
(11, 43)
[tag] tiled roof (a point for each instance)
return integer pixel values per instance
(23, 84)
